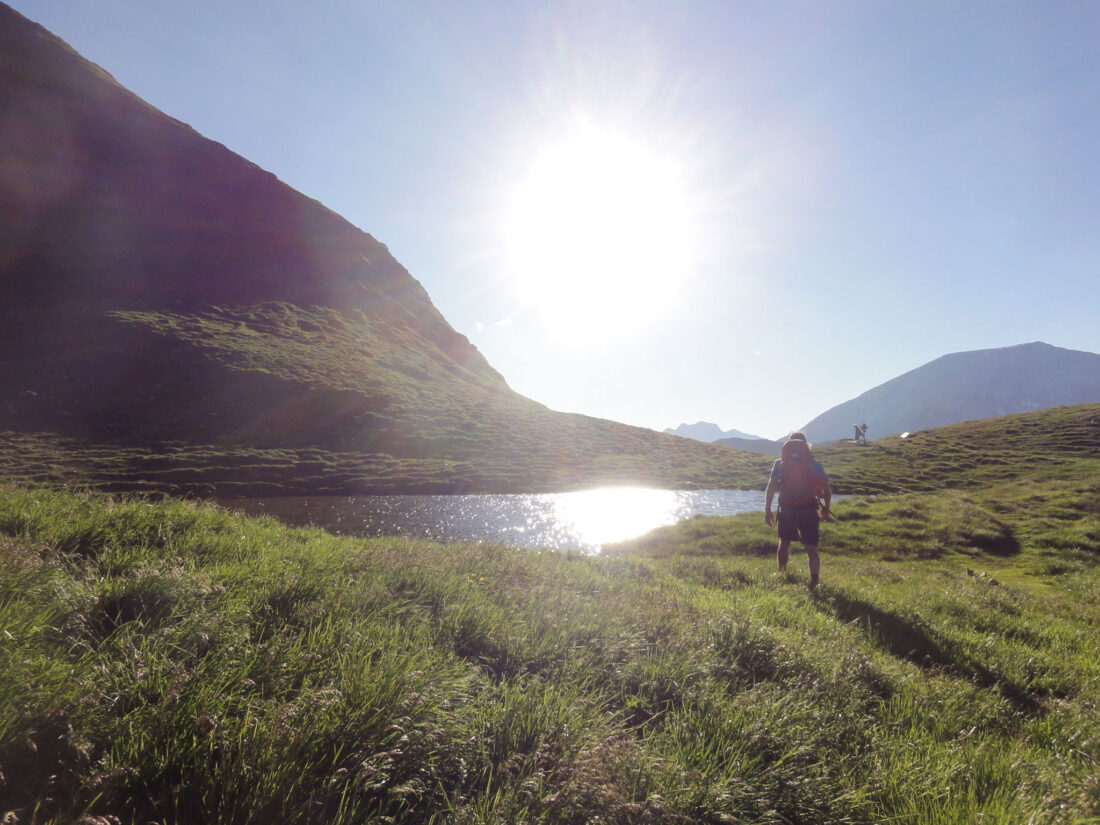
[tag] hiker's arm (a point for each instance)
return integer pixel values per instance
(827, 498)
(769, 494)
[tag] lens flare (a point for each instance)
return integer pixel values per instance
(599, 233)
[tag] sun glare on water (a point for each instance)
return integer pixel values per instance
(599, 234)
(598, 517)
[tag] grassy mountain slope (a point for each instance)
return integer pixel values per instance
(174, 662)
(273, 399)
(166, 305)
(1056, 443)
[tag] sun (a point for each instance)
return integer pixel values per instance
(599, 234)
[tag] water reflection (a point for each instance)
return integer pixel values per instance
(598, 517)
(584, 520)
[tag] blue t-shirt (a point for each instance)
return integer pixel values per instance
(814, 464)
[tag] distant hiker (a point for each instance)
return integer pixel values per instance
(863, 434)
(856, 437)
(802, 484)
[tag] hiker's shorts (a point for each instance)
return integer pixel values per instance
(799, 525)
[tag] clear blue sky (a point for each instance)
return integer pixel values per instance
(787, 203)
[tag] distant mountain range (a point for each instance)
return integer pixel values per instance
(964, 386)
(173, 317)
(706, 431)
(763, 446)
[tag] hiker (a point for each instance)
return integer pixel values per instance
(801, 483)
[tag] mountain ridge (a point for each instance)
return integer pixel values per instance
(208, 212)
(175, 318)
(963, 386)
(950, 389)
(706, 431)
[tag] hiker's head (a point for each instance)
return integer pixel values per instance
(797, 435)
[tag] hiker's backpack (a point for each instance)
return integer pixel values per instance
(800, 483)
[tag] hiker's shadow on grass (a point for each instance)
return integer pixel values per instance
(907, 640)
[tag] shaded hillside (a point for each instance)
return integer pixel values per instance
(578, 453)
(160, 295)
(964, 386)
(109, 204)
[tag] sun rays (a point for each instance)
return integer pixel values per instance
(599, 233)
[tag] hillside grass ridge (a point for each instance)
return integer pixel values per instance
(276, 399)
(1049, 444)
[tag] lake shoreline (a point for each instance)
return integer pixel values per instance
(577, 520)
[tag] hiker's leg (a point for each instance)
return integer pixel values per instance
(782, 554)
(815, 561)
(808, 530)
(788, 532)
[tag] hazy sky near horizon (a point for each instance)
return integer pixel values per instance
(665, 212)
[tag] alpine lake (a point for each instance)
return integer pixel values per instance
(582, 521)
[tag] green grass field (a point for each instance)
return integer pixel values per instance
(171, 662)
